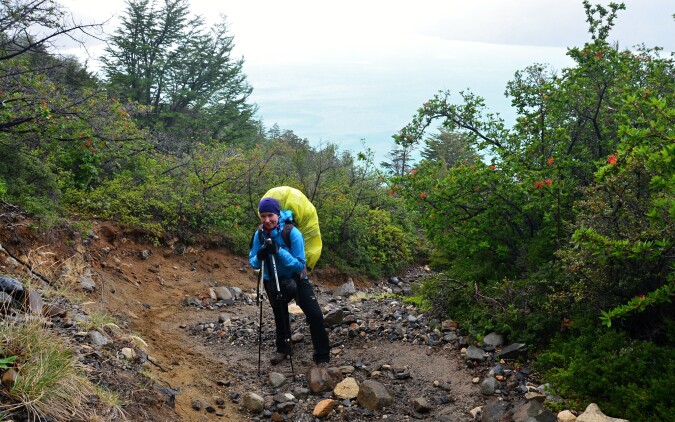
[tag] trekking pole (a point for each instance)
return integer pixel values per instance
(259, 299)
(280, 302)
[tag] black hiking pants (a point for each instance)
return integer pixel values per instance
(306, 300)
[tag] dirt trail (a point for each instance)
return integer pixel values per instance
(148, 295)
(149, 290)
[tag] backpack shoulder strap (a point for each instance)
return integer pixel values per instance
(286, 232)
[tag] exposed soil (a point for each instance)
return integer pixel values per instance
(151, 294)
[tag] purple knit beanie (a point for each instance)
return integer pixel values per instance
(269, 205)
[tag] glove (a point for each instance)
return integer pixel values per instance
(272, 247)
(262, 253)
(266, 249)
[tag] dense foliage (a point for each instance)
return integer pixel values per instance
(569, 214)
(557, 231)
(167, 144)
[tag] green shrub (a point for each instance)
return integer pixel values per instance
(627, 378)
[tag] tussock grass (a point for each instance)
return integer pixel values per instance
(66, 281)
(50, 382)
(98, 321)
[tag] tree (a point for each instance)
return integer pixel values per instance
(162, 58)
(449, 148)
(57, 129)
(541, 217)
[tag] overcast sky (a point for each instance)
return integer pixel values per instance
(346, 71)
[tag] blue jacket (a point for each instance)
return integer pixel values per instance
(290, 261)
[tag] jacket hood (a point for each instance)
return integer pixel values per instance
(284, 216)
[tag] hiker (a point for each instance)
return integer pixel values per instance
(290, 266)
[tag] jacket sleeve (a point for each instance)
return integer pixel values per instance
(255, 247)
(295, 258)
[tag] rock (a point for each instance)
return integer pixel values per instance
(97, 339)
(12, 287)
(421, 405)
(475, 411)
(223, 293)
(297, 337)
(35, 302)
(489, 386)
(87, 283)
(475, 353)
(294, 309)
(276, 379)
(9, 378)
(594, 414)
(6, 302)
(346, 290)
(197, 405)
(512, 351)
(449, 325)
(374, 395)
(321, 380)
(283, 397)
(531, 395)
(128, 353)
(566, 416)
(324, 408)
(54, 310)
(333, 317)
(253, 402)
(528, 410)
(301, 393)
(493, 339)
(348, 388)
(495, 411)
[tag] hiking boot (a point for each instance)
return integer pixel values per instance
(278, 358)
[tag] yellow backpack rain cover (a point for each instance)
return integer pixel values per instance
(304, 217)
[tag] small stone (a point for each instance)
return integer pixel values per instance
(324, 408)
(253, 402)
(9, 378)
(488, 386)
(346, 389)
(566, 416)
(421, 405)
(276, 379)
(128, 353)
(322, 380)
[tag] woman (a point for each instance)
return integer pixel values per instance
(289, 260)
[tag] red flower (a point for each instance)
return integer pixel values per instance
(538, 185)
(423, 195)
(549, 161)
(492, 167)
(611, 159)
(548, 182)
